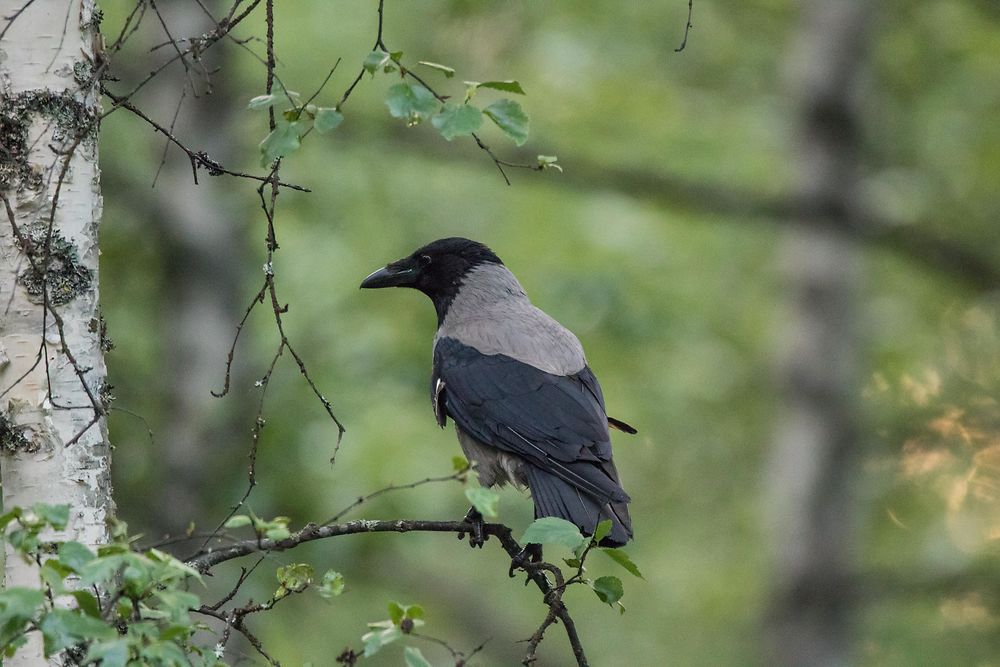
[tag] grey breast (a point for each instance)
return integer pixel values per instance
(493, 314)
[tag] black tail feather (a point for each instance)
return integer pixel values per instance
(622, 426)
(554, 496)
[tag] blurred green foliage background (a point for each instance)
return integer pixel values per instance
(678, 305)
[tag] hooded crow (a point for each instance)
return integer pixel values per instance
(526, 406)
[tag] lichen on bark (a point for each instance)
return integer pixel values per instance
(12, 437)
(71, 119)
(54, 266)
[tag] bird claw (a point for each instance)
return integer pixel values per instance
(531, 553)
(477, 534)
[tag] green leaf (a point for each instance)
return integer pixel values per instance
(176, 605)
(601, 531)
(164, 653)
(549, 162)
(114, 549)
(277, 534)
(112, 653)
(444, 69)
(282, 141)
(412, 102)
(18, 601)
(374, 60)
(238, 521)
(17, 609)
(87, 603)
(553, 530)
(24, 541)
(63, 627)
(509, 117)
(396, 612)
(507, 86)
(7, 517)
(174, 632)
(484, 500)
(171, 568)
(459, 463)
(263, 101)
(456, 120)
(414, 658)
(75, 555)
(101, 569)
(620, 557)
(332, 584)
(56, 516)
(608, 589)
(296, 577)
(375, 640)
(326, 119)
(415, 612)
(52, 573)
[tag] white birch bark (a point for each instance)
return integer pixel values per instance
(41, 57)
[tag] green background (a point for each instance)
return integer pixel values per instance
(678, 303)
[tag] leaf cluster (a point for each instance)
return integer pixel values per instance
(553, 530)
(413, 102)
(115, 607)
(416, 103)
(293, 123)
(402, 621)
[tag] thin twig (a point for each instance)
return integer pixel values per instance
(128, 27)
(201, 44)
(166, 144)
(197, 158)
(173, 42)
(13, 17)
(459, 475)
(258, 299)
(687, 27)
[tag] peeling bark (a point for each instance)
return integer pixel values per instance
(48, 111)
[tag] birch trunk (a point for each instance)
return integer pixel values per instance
(48, 114)
(814, 468)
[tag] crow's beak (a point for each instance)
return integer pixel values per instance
(389, 277)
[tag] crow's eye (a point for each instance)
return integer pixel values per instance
(425, 259)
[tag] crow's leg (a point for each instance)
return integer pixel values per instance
(531, 553)
(477, 538)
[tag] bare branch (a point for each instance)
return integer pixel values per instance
(201, 44)
(197, 158)
(204, 562)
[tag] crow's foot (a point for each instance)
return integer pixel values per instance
(531, 553)
(477, 536)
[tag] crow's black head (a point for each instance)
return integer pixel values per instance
(437, 269)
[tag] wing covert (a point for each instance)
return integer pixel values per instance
(555, 422)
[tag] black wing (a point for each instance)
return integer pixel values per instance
(556, 423)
